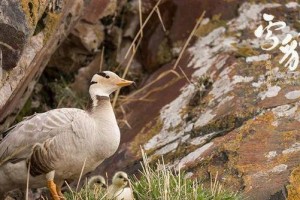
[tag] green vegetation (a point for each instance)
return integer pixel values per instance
(162, 184)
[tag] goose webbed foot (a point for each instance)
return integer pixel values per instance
(53, 190)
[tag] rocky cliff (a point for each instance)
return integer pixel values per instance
(228, 107)
(234, 112)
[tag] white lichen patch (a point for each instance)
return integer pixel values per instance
(271, 92)
(205, 118)
(271, 154)
(171, 113)
(188, 127)
(285, 110)
(293, 94)
(257, 84)
(293, 5)
(202, 139)
(294, 148)
(166, 149)
(258, 58)
(241, 79)
(205, 21)
(225, 100)
(279, 168)
(171, 117)
(205, 50)
(249, 15)
(222, 85)
(195, 155)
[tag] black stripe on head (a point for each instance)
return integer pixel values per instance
(93, 82)
(103, 74)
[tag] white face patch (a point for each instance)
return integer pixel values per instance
(103, 84)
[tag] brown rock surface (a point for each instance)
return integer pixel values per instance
(239, 117)
(36, 32)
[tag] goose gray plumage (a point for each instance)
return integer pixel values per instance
(54, 146)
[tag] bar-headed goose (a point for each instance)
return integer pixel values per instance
(119, 189)
(54, 146)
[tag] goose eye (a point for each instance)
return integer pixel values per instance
(103, 75)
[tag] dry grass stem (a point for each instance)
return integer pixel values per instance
(125, 72)
(140, 16)
(189, 39)
(142, 27)
(27, 181)
(160, 19)
(81, 173)
(101, 59)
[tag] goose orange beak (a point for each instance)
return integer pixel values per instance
(124, 82)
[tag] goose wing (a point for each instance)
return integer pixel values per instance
(19, 141)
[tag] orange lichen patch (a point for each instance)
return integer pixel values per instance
(30, 8)
(151, 129)
(258, 151)
(294, 187)
(52, 21)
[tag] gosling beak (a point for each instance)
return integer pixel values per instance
(126, 180)
(104, 186)
(124, 82)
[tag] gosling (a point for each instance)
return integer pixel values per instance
(97, 182)
(119, 189)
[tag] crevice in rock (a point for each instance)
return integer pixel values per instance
(41, 24)
(30, 6)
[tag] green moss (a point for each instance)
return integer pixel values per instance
(225, 123)
(164, 54)
(26, 111)
(214, 23)
(244, 50)
(51, 22)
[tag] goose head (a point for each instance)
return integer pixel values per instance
(120, 179)
(97, 181)
(106, 82)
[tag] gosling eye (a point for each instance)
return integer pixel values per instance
(93, 82)
(98, 182)
(120, 176)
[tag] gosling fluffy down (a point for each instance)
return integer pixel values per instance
(119, 189)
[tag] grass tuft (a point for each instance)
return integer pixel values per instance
(162, 183)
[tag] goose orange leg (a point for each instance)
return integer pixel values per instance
(51, 185)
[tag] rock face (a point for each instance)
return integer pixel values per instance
(30, 31)
(18, 20)
(236, 115)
